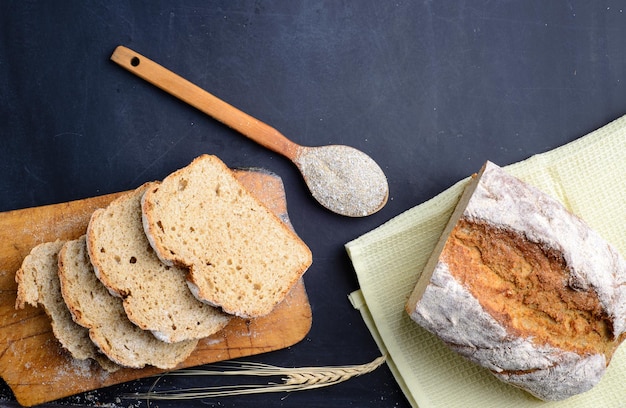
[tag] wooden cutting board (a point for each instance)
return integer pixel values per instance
(39, 370)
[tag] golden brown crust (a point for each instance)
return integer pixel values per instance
(525, 287)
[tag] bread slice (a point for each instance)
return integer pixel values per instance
(156, 296)
(103, 314)
(38, 284)
(524, 288)
(240, 256)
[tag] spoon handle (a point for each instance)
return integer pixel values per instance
(197, 97)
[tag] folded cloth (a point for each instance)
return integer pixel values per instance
(587, 175)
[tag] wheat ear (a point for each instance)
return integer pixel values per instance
(294, 379)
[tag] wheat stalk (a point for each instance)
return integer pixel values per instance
(294, 379)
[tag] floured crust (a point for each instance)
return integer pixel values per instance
(519, 285)
(93, 307)
(241, 257)
(155, 296)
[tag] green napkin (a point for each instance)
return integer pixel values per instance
(587, 176)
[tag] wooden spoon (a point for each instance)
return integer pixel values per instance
(341, 178)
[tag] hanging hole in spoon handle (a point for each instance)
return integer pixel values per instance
(341, 178)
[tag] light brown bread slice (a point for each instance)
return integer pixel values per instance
(156, 296)
(103, 314)
(240, 256)
(38, 284)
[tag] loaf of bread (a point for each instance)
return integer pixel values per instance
(93, 307)
(524, 288)
(240, 256)
(38, 284)
(155, 296)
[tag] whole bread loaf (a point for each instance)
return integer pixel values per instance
(240, 256)
(155, 296)
(38, 284)
(524, 288)
(93, 307)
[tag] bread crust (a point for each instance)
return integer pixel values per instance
(524, 288)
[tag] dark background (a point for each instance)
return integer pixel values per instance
(429, 89)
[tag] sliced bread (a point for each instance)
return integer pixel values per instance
(240, 256)
(38, 284)
(95, 308)
(156, 296)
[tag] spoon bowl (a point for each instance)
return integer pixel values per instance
(341, 178)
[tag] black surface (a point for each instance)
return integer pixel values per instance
(430, 89)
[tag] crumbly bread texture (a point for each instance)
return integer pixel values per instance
(156, 296)
(93, 307)
(240, 256)
(524, 288)
(38, 284)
